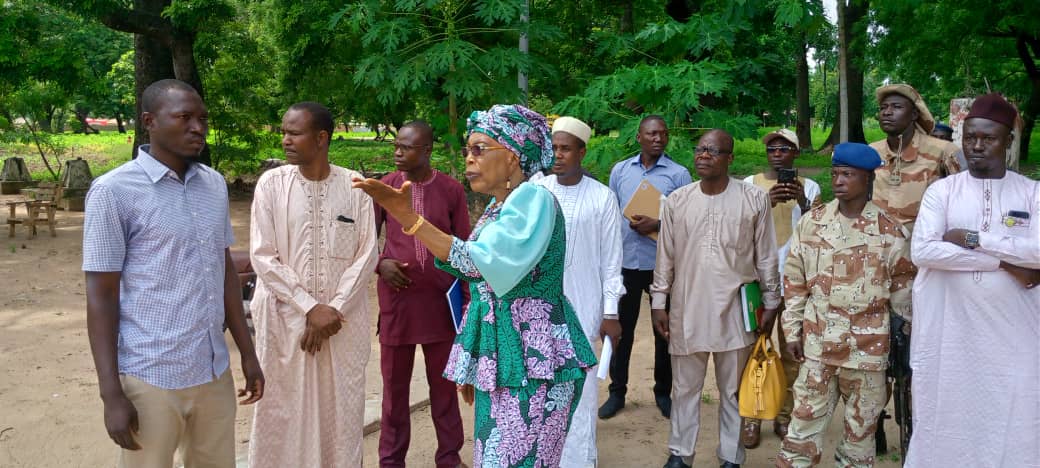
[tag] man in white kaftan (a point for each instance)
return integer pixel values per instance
(592, 272)
(313, 246)
(975, 347)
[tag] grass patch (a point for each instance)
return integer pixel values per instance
(359, 151)
(104, 151)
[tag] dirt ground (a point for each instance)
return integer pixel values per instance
(51, 416)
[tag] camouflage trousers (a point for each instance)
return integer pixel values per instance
(816, 393)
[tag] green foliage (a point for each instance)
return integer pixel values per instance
(119, 81)
(982, 56)
(241, 94)
(610, 62)
(103, 152)
(726, 66)
(449, 56)
(969, 50)
(58, 49)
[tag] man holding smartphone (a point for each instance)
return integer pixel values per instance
(791, 197)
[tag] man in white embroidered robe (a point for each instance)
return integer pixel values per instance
(592, 273)
(975, 347)
(313, 246)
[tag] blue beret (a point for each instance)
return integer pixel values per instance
(943, 127)
(856, 155)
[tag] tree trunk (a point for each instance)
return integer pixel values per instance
(626, 24)
(843, 72)
(160, 52)
(46, 123)
(1031, 107)
(152, 62)
(84, 127)
(119, 122)
(183, 54)
(58, 121)
(803, 126)
(1030, 110)
(851, 39)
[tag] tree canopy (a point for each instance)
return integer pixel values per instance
(701, 64)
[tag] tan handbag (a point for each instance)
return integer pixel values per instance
(763, 385)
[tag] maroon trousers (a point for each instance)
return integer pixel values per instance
(396, 363)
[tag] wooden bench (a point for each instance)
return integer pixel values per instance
(40, 204)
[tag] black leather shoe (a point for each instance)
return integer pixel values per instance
(675, 461)
(729, 465)
(664, 403)
(610, 407)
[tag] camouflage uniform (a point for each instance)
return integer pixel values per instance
(841, 279)
(900, 183)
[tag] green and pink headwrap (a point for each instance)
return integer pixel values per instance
(521, 130)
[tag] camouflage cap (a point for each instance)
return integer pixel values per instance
(784, 133)
(924, 116)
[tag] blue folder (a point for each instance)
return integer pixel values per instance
(455, 303)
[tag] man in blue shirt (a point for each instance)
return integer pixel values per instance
(160, 287)
(639, 257)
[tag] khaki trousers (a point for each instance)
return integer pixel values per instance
(687, 382)
(816, 393)
(200, 421)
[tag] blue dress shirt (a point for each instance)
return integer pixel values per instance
(167, 238)
(666, 175)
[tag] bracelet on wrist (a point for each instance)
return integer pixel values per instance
(415, 227)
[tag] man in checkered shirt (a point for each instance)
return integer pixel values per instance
(160, 287)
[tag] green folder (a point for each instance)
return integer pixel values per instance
(751, 305)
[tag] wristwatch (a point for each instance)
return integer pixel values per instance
(971, 239)
(610, 316)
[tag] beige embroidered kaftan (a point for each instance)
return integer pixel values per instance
(311, 242)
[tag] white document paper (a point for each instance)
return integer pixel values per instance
(604, 359)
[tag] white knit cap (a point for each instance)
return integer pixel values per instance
(574, 127)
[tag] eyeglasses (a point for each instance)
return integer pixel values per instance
(713, 152)
(405, 148)
(478, 150)
(782, 149)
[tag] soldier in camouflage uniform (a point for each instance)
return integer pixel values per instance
(848, 267)
(912, 158)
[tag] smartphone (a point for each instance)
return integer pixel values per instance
(786, 176)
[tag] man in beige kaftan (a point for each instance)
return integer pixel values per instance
(716, 234)
(313, 246)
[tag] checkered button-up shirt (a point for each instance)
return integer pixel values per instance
(167, 237)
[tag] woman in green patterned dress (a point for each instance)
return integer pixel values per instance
(522, 356)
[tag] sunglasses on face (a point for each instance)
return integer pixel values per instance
(782, 149)
(478, 149)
